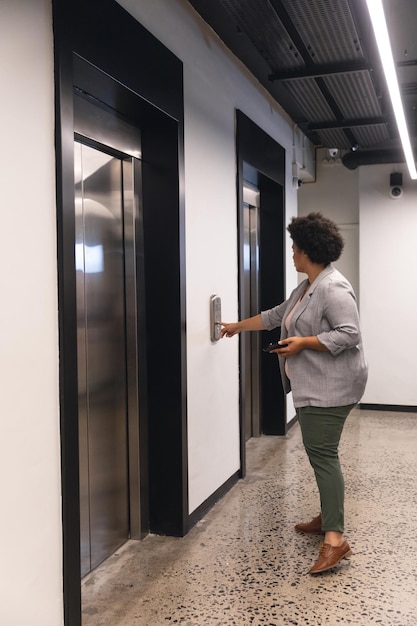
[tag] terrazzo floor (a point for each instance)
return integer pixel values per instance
(244, 565)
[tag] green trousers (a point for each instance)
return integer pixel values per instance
(321, 429)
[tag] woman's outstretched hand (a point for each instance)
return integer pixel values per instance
(250, 323)
(228, 330)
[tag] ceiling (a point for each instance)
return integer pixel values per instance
(318, 59)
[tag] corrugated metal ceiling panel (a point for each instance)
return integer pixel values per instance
(368, 136)
(327, 29)
(334, 138)
(261, 24)
(310, 100)
(329, 38)
(354, 94)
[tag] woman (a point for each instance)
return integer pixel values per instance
(322, 363)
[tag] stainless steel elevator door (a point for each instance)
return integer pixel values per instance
(250, 346)
(102, 378)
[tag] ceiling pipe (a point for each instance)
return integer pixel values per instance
(352, 160)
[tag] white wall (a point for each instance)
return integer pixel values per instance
(381, 258)
(215, 84)
(30, 523)
(335, 193)
(388, 285)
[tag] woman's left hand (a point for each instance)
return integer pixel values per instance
(294, 346)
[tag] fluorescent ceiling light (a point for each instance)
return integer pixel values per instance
(376, 12)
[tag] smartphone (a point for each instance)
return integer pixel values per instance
(274, 345)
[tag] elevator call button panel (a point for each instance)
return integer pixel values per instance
(215, 317)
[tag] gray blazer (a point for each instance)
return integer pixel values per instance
(329, 311)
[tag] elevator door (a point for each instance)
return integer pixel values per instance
(250, 345)
(102, 377)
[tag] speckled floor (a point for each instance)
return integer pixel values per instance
(244, 565)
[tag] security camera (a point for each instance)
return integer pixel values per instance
(396, 192)
(396, 181)
(333, 152)
(296, 182)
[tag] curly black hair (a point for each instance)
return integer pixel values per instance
(318, 237)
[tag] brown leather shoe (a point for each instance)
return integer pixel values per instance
(310, 527)
(330, 556)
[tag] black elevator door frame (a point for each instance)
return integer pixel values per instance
(149, 94)
(261, 161)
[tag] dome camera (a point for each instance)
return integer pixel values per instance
(333, 152)
(396, 192)
(296, 183)
(396, 181)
